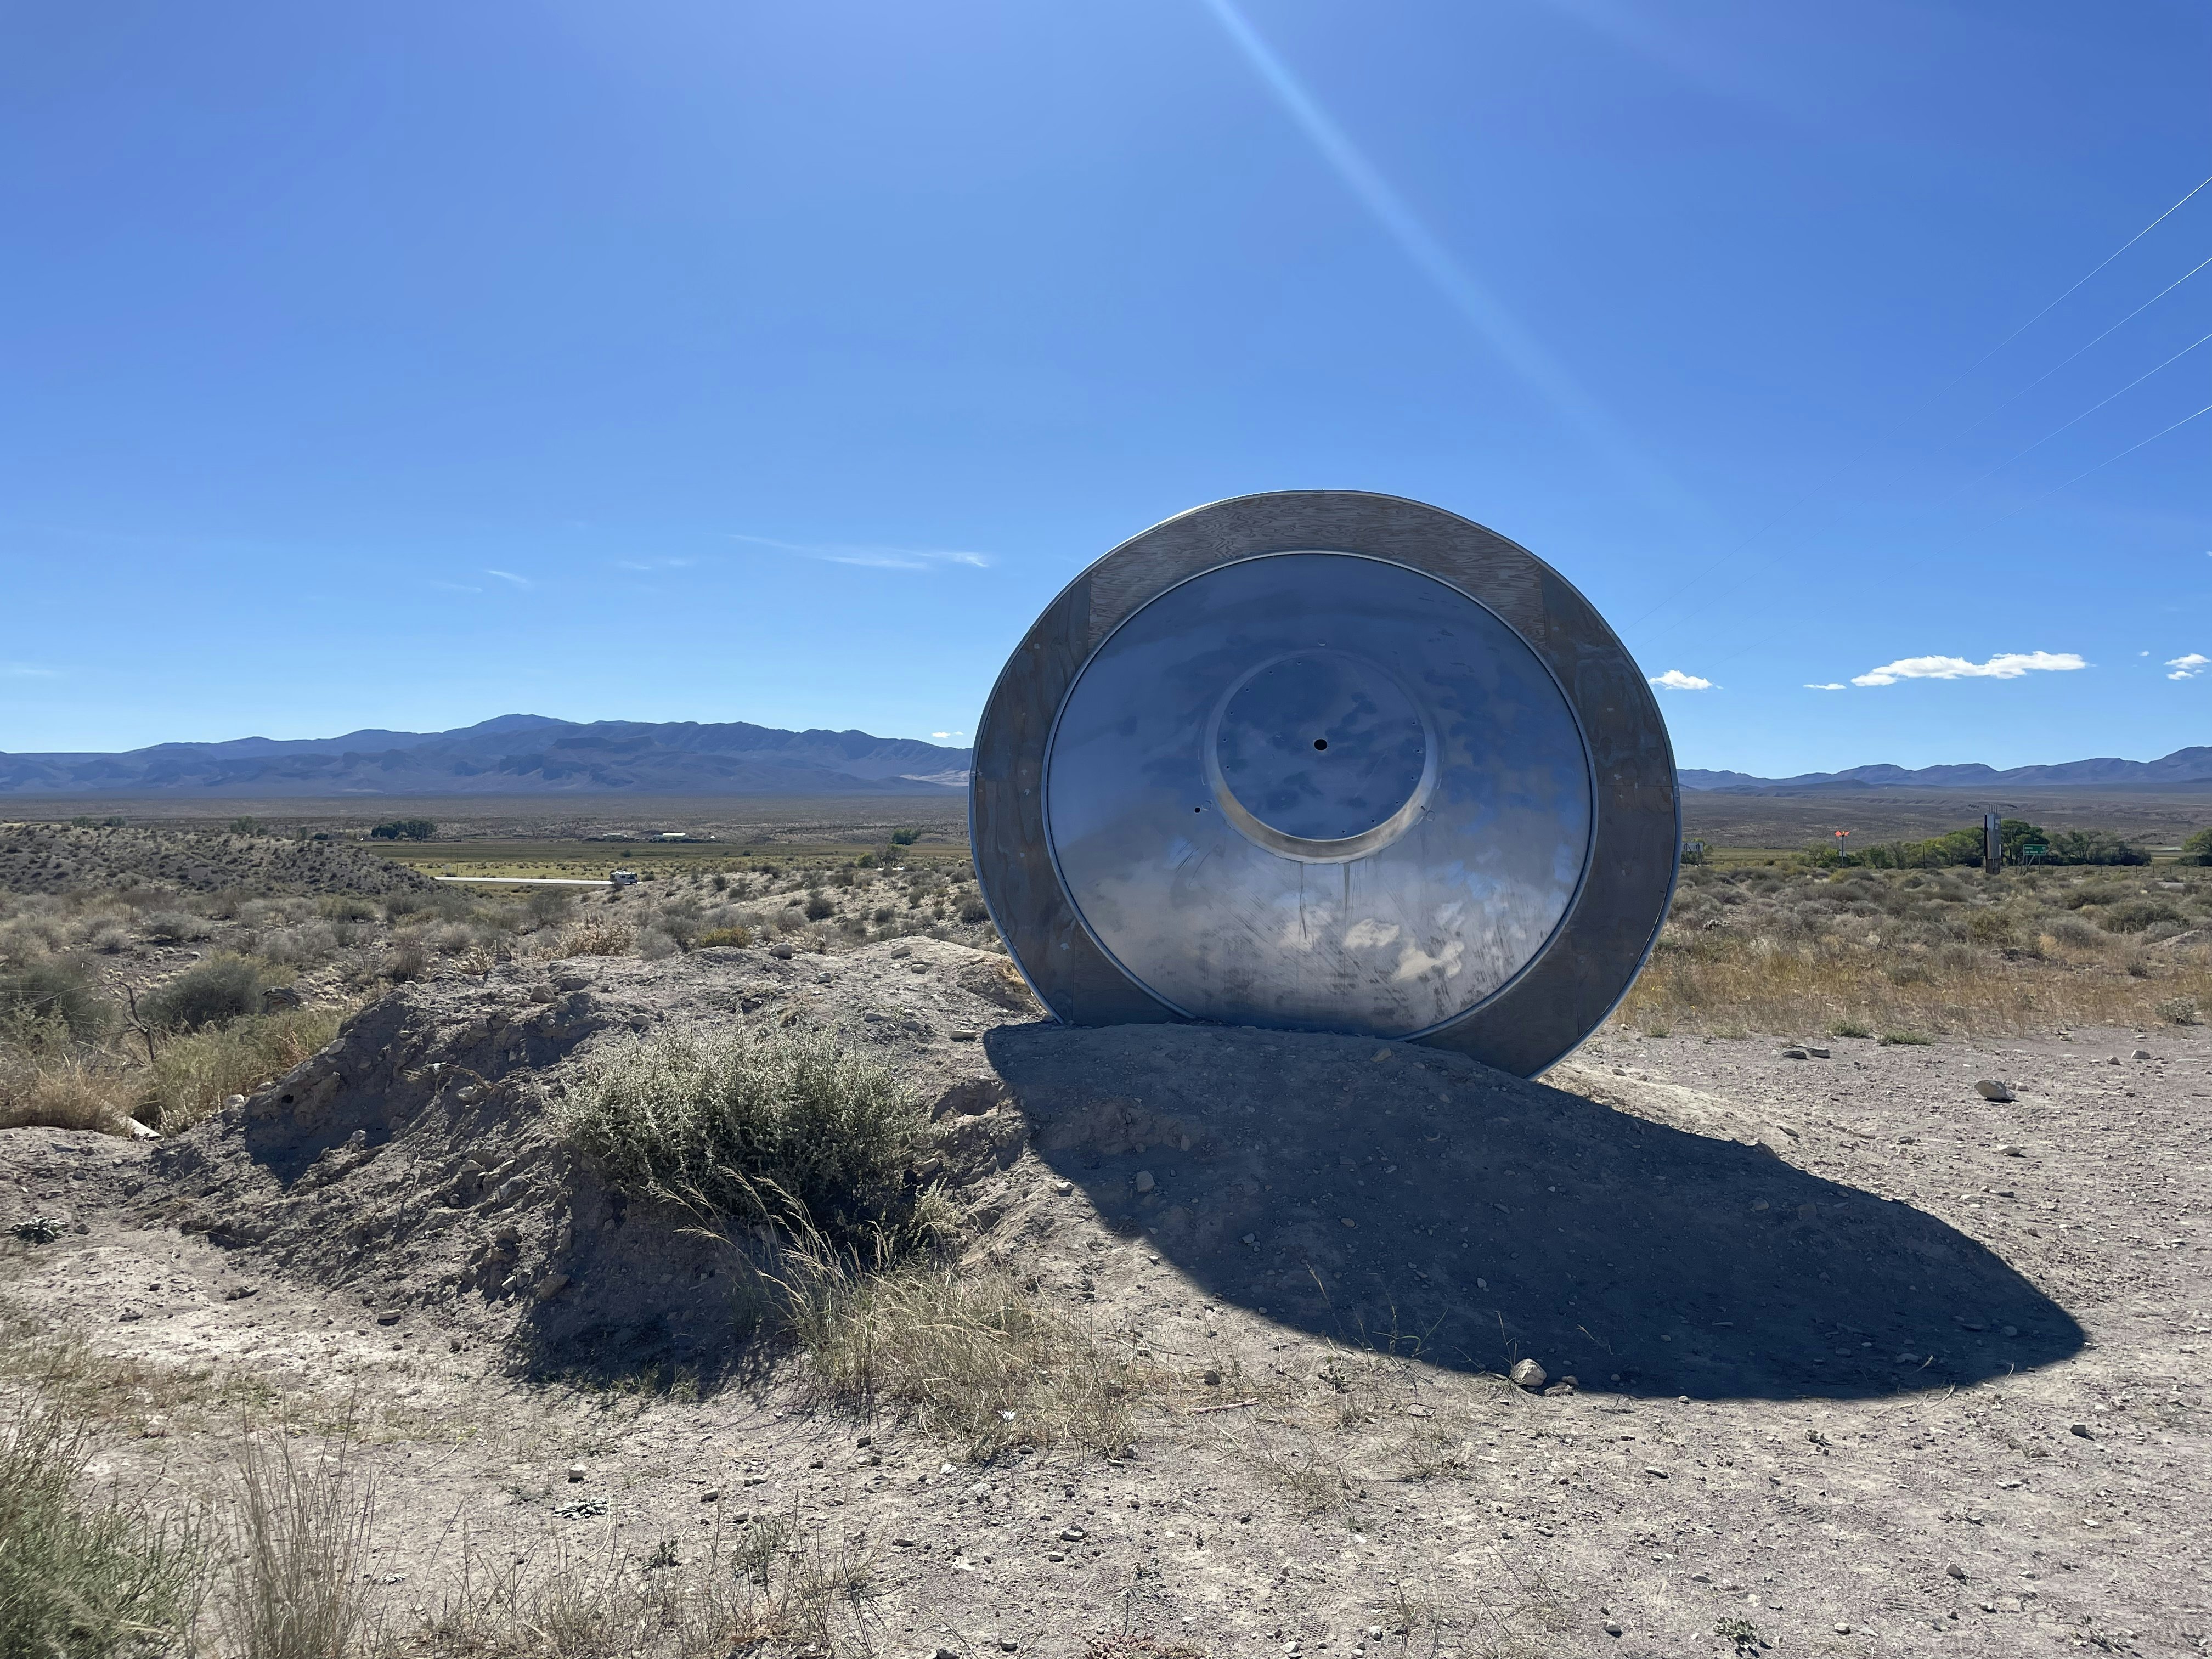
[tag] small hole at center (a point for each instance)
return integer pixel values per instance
(1320, 743)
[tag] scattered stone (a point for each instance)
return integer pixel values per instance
(1144, 1182)
(1793, 1054)
(710, 1496)
(233, 1100)
(2006, 1150)
(582, 1507)
(2081, 1429)
(1991, 1089)
(1955, 1571)
(1817, 1054)
(1612, 1629)
(389, 1317)
(1527, 1374)
(1250, 1239)
(576, 1472)
(570, 983)
(962, 1034)
(1063, 1188)
(2140, 1053)
(1213, 1379)
(1654, 1471)
(549, 1287)
(1071, 1534)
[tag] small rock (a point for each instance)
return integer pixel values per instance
(1954, 1570)
(2140, 1053)
(1063, 1188)
(1654, 1471)
(1213, 1379)
(576, 1472)
(2005, 1150)
(1071, 1534)
(1842, 1629)
(962, 1034)
(233, 1100)
(1382, 1054)
(1007, 1645)
(1144, 1182)
(1793, 1054)
(549, 1287)
(389, 1317)
(710, 1496)
(1991, 1089)
(1527, 1374)
(902, 1542)
(2081, 1429)
(1251, 1239)
(1612, 1629)
(140, 1132)
(1817, 1054)
(570, 983)
(1347, 1221)
(946, 1653)
(781, 952)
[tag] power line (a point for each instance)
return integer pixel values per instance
(2087, 412)
(2092, 272)
(2123, 455)
(2115, 328)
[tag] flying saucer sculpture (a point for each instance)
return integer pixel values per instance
(1331, 762)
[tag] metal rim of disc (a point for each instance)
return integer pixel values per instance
(1553, 1000)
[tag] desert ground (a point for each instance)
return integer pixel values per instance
(1845, 1294)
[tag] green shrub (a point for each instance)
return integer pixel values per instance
(2136, 915)
(739, 1125)
(348, 907)
(973, 910)
(56, 989)
(714, 938)
(174, 927)
(404, 829)
(1851, 1027)
(2197, 849)
(820, 907)
(219, 990)
(81, 1577)
(1905, 1040)
(905, 837)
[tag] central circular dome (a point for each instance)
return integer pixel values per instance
(1320, 746)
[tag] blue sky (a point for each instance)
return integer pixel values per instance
(405, 365)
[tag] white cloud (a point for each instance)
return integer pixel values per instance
(873, 557)
(1674, 679)
(509, 576)
(1830, 685)
(2188, 667)
(2005, 665)
(948, 734)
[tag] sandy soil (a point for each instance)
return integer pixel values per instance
(1846, 1369)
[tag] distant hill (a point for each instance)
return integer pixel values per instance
(2183, 768)
(512, 755)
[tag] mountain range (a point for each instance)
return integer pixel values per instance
(535, 755)
(2184, 767)
(512, 755)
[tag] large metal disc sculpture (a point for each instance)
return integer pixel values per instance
(1329, 761)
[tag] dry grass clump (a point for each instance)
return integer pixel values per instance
(83, 1575)
(191, 1076)
(743, 1126)
(967, 1354)
(763, 1582)
(294, 1588)
(1907, 952)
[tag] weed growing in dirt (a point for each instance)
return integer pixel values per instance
(192, 1075)
(967, 1354)
(750, 1125)
(294, 1588)
(83, 1576)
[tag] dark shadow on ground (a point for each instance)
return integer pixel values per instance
(1425, 1202)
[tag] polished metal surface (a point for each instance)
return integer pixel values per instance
(1320, 792)
(1327, 760)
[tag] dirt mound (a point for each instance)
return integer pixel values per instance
(412, 1163)
(62, 858)
(1369, 1193)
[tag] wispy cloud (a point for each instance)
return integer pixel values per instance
(2006, 666)
(2188, 667)
(509, 576)
(24, 670)
(942, 735)
(872, 556)
(1675, 680)
(654, 564)
(1827, 685)
(455, 587)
